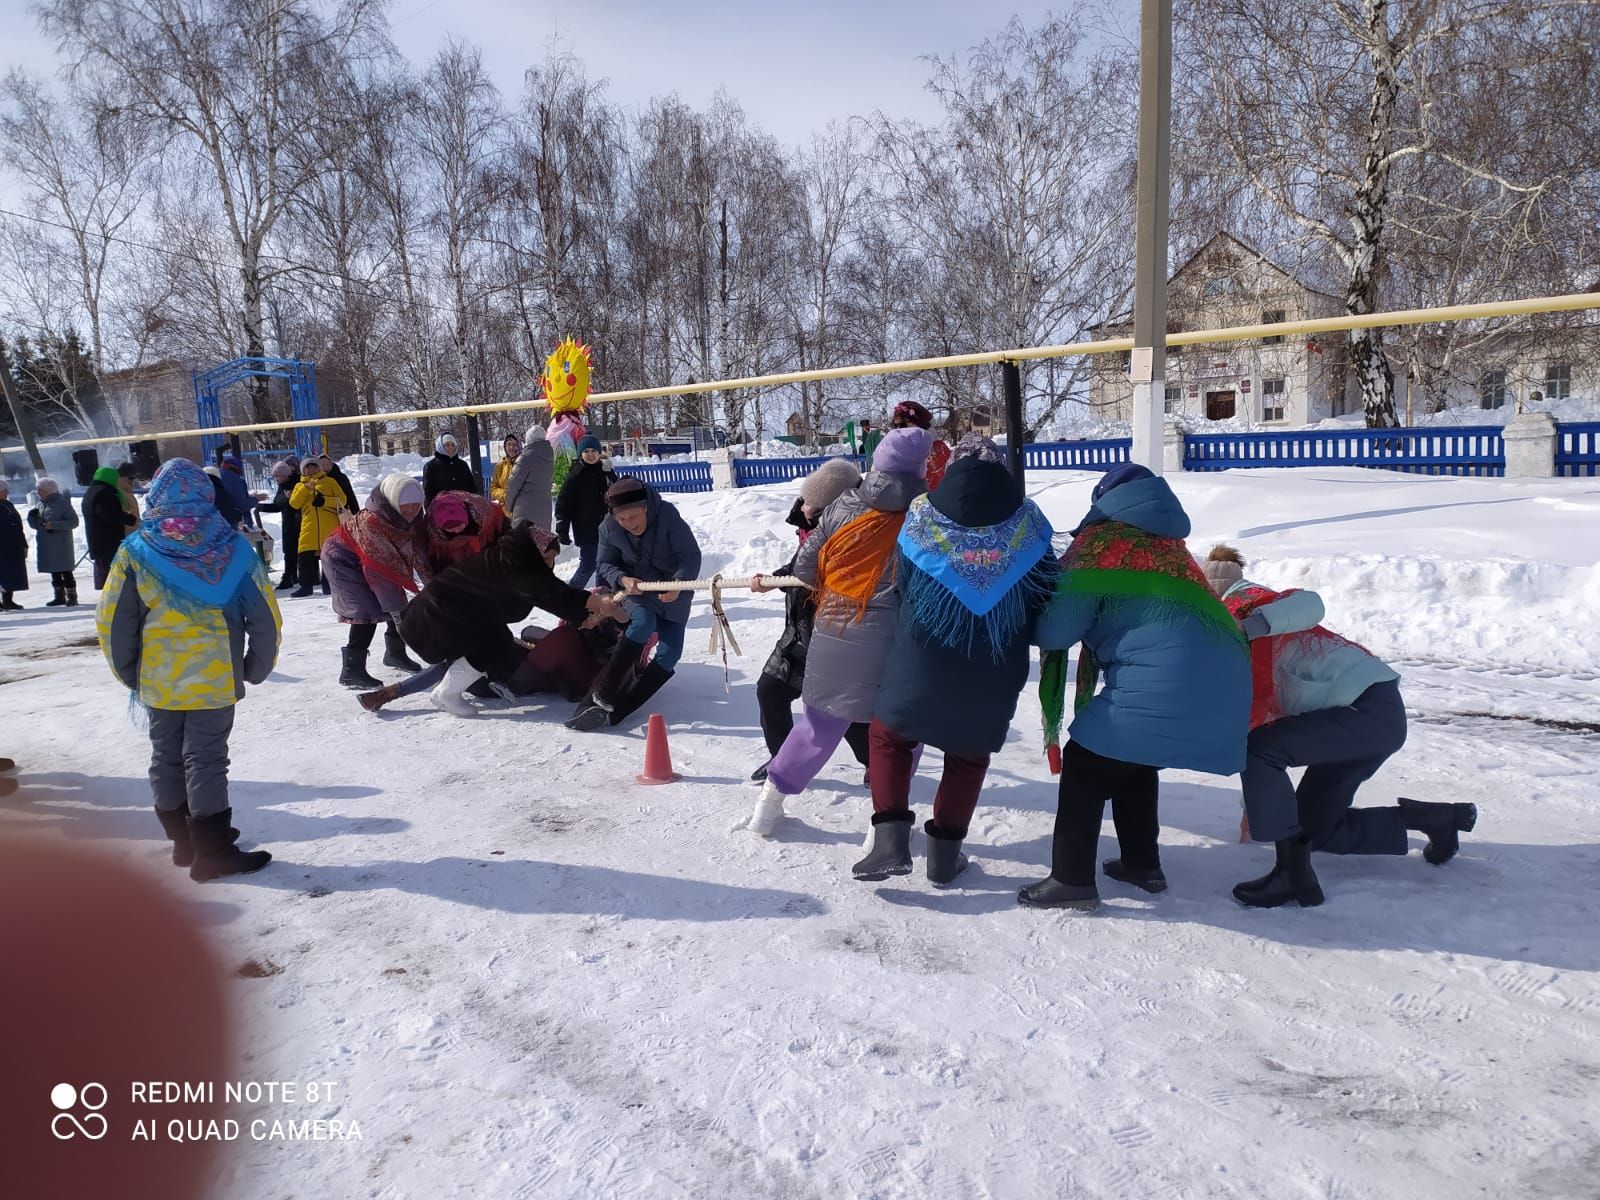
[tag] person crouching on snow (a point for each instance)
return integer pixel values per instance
(975, 573)
(643, 540)
(785, 670)
(186, 619)
(1326, 704)
(458, 621)
(1177, 674)
(375, 562)
(850, 563)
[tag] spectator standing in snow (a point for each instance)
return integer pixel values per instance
(581, 506)
(512, 448)
(375, 562)
(105, 521)
(1326, 704)
(1177, 682)
(54, 519)
(319, 501)
(529, 485)
(126, 477)
(458, 621)
(13, 550)
(240, 504)
(187, 595)
(643, 540)
(909, 413)
(975, 572)
(286, 475)
(446, 471)
(785, 670)
(850, 562)
(332, 471)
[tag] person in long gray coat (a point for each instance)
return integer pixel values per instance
(528, 491)
(55, 519)
(850, 562)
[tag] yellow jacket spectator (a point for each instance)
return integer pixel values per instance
(503, 469)
(319, 501)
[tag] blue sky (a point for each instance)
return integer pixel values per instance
(793, 66)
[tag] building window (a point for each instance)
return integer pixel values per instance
(1174, 398)
(1272, 316)
(1492, 389)
(1218, 286)
(1272, 396)
(1558, 381)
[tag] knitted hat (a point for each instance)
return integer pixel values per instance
(535, 434)
(975, 445)
(1224, 567)
(626, 492)
(399, 489)
(282, 471)
(589, 442)
(913, 414)
(1120, 474)
(828, 482)
(448, 513)
(903, 452)
(310, 463)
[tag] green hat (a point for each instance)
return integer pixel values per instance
(107, 475)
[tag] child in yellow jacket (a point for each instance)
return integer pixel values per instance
(186, 619)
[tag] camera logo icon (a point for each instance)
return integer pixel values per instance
(67, 1124)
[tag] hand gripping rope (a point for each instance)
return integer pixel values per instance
(721, 629)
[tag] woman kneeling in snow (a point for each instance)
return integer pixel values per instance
(458, 621)
(1322, 703)
(374, 562)
(975, 572)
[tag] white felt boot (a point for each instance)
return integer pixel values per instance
(767, 813)
(449, 694)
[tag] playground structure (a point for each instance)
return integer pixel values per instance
(301, 376)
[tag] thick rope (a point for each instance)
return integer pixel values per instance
(721, 628)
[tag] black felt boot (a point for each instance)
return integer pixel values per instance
(1440, 824)
(890, 853)
(394, 653)
(1290, 879)
(945, 860)
(354, 674)
(215, 855)
(1151, 879)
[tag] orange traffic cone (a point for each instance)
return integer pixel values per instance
(657, 757)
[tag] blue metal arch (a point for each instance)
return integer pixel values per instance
(301, 377)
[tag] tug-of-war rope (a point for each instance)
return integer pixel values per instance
(721, 629)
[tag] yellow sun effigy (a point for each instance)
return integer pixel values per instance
(565, 384)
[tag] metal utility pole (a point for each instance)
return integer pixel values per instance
(1147, 368)
(24, 430)
(1011, 381)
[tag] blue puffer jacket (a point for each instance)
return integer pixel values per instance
(1173, 694)
(665, 550)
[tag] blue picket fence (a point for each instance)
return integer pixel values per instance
(1578, 448)
(1463, 450)
(752, 472)
(673, 477)
(1076, 456)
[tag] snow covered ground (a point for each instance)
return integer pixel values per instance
(531, 977)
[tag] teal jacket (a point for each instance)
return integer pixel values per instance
(1311, 674)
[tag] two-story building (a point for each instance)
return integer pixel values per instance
(1276, 382)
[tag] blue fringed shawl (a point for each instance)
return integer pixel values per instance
(963, 582)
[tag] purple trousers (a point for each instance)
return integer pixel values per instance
(807, 749)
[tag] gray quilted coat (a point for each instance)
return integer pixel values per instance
(845, 662)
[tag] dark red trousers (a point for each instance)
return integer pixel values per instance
(893, 759)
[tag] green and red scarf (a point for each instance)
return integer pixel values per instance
(1115, 562)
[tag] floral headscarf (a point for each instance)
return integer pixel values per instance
(196, 557)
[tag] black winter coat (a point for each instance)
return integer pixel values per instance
(290, 514)
(467, 605)
(105, 521)
(343, 481)
(13, 549)
(581, 506)
(442, 473)
(787, 662)
(962, 698)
